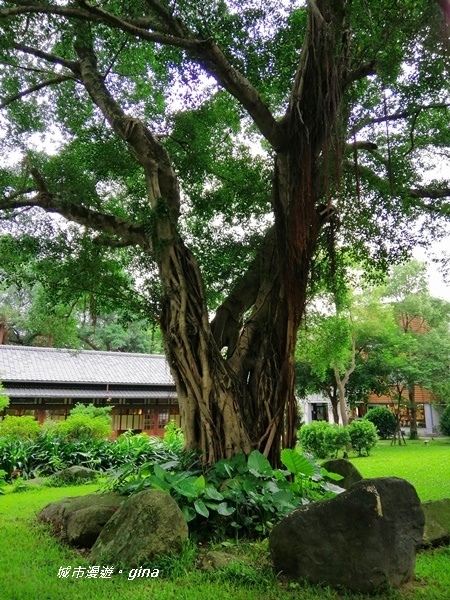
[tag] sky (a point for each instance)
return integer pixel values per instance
(439, 288)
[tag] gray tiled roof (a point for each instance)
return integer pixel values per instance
(50, 365)
(20, 392)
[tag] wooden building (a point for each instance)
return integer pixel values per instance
(47, 382)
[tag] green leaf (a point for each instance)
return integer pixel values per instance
(200, 483)
(286, 500)
(296, 463)
(271, 486)
(158, 483)
(159, 472)
(258, 465)
(188, 513)
(330, 487)
(212, 494)
(333, 476)
(239, 462)
(187, 489)
(200, 507)
(225, 510)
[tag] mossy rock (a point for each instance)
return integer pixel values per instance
(74, 474)
(343, 467)
(78, 521)
(147, 525)
(437, 522)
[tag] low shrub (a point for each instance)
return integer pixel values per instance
(173, 437)
(336, 438)
(2, 481)
(4, 400)
(313, 439)
(363, 436)
(444, 423)
(384, 420)
(86, 422)
(13, 427)
(78, 427)
(52, 452)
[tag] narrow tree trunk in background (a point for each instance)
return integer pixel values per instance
(3, 332)
(413, 433)
(342, 404)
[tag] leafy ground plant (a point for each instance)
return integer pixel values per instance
(51, 452)
(236, 497)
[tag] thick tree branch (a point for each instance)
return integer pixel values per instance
(137, 31)
(35, 88)
(127, 231)
(360, 145)
(160, 177)
(130, 233)
(404, 114)
(110, 242)
(212, 59)
(216, 64)
(228, 321)
(26, 8)
(364, 70)
(52, 58)
(431, 193)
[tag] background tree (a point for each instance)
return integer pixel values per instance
(343, 97)
(426, 320)
(44, 301)
(334, 350)
(31, 318)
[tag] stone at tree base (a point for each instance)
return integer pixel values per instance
(364, 539)
(75, 473)
(343, 467)
(147, 524)
(437, 522)
(36, 482)
(79, 520)
(216, 560)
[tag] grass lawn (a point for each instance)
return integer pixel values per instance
(30, 558)
(426, 466)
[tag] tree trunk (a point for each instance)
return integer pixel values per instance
(413, 433)
(3, 332)
(341, 382)
(342, 404)
(235, 375)
(245, 399)
(332, 393)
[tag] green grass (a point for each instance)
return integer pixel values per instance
(30, 557)
(427, 467)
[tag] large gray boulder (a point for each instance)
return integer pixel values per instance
(147, 524)
(78, 521)
(343, 467)
(75, 474)
(437, 522)
(364, 539)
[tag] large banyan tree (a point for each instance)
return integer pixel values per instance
(236, 151)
